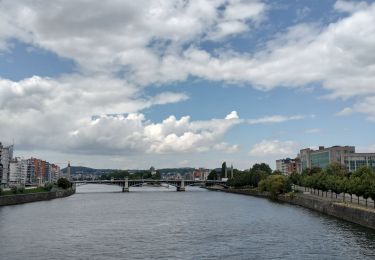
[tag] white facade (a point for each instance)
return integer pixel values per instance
(17, 172)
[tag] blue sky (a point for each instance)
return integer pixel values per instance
(185, 83)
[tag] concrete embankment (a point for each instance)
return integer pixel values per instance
(31, 197)
(359, 215)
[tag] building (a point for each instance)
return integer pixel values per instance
(323, 156)
(17, 172)
(354, 161)
(287, 166)
(1, 165)
(6, 157)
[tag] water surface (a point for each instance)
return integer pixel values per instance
(100, 222)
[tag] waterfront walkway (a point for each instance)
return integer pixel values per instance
(340, 198)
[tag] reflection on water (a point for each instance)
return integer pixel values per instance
(101, 222)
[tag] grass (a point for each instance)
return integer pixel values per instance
(25, 191)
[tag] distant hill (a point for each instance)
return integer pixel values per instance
(74, 170)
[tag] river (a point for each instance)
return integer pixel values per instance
(100, 222)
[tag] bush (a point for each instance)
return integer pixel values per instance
(48, 186)
(21, 189)
(275, 184)
(64, 183)
(14, 190)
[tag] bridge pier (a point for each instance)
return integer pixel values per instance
(182, 186)
(125, 188)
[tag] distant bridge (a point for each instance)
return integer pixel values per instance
(126, 183)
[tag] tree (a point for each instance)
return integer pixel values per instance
(336, 169)
(275, 184)
(64, 183)
(223, 169)
(212, 175)
(295, 178)
(262, 167)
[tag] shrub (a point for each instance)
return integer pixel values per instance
(64, 183)
(48, 186)
(275, 184)
(14, 190)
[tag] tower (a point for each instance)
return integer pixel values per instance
(68, 171)
(231, 171)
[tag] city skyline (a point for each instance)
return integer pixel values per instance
(186, 83)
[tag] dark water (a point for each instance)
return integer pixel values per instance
(154, 223)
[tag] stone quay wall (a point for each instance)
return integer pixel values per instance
(31, 197)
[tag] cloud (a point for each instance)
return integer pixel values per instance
(366, 106)
(267, 148)
(276, 119)
(159, 42)
(345, 112)
(227, 148)
(350, 6)
(40, 112)
(133, 134)
(313, 131)
(232, 115)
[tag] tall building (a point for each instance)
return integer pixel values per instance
(17, 172)
(287, 166)
(1, 165)
(6, 157)
(323, 156)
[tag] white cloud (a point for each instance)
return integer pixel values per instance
(270, 148)
(158, 42)
(133, 134)
(350, 6)
(227, 148)
(313, 131)
(232, 115)
(347, 111)
(367, 106)
(276, 119)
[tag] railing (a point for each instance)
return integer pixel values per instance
(332, 196)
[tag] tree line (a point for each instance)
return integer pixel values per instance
(337, 179)
(121, 174)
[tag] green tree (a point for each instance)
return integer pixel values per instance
(262, 168)
(223, 169)
(64, 183)
(275, 184)
(212, 175)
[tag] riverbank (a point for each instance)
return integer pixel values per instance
(15, 199)
(359, 215)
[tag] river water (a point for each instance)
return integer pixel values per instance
(100, 222)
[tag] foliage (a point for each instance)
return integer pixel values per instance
(250, 178)
(261, 168)
(212, 175)
(336, 179)
(64, 183)
(223, 169)
(275, 184)
(48, 186)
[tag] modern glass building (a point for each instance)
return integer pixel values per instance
(323, 156)
(354, 161)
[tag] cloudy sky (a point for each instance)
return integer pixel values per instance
(130, 84)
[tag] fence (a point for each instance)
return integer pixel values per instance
(329, 195)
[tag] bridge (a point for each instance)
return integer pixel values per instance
(126, 183)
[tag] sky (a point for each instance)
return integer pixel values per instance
(134, 84)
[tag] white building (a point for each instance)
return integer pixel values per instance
(17, 172)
